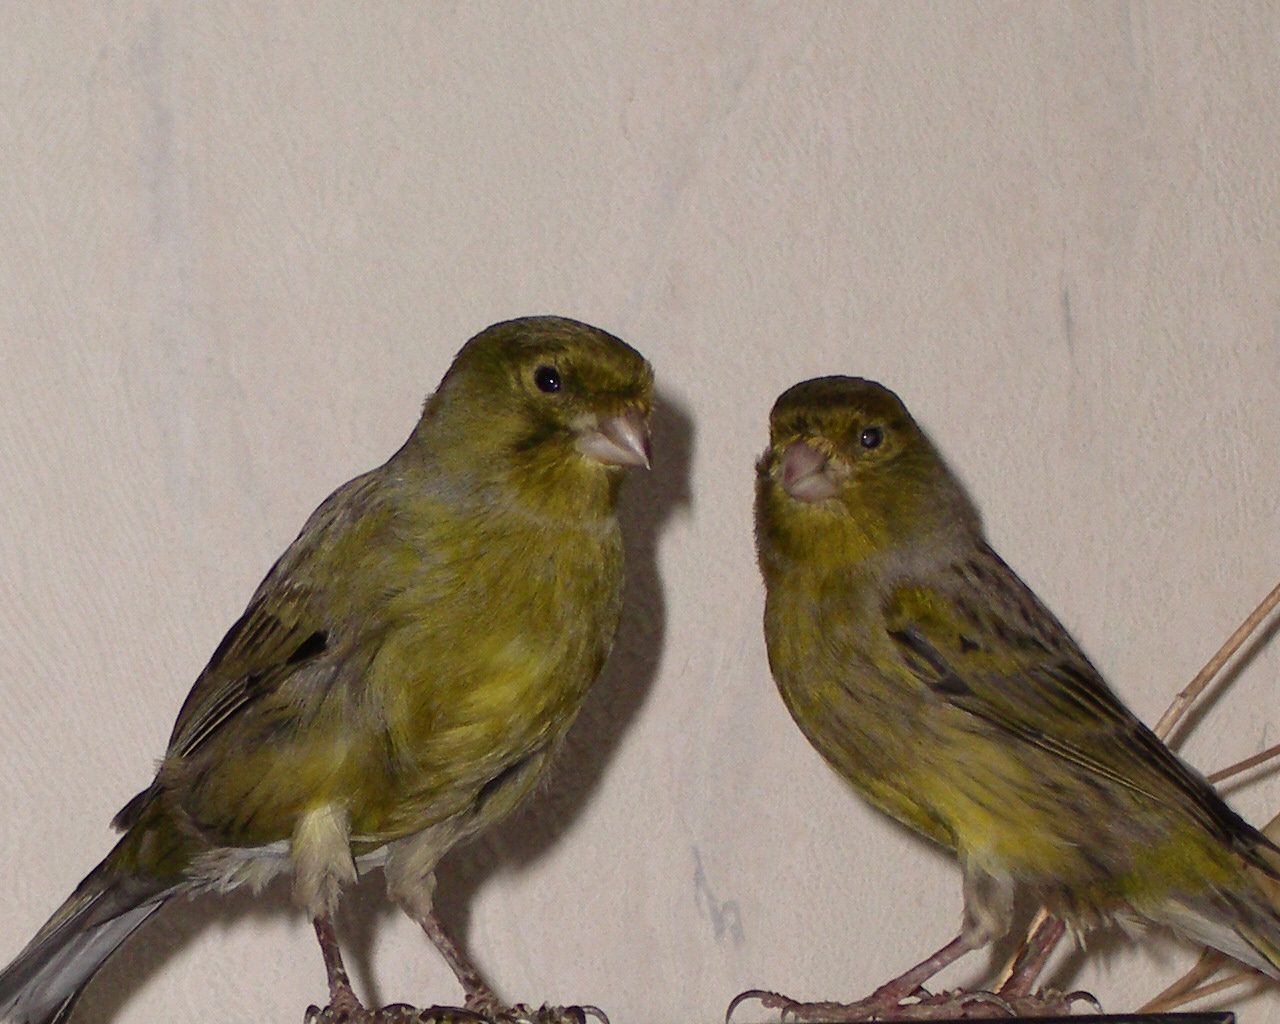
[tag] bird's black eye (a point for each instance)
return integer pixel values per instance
(871, 437)
(547, 378)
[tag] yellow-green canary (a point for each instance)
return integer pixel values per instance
(933, 680)
(404, 673)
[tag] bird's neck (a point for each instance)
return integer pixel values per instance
(549, 492)
(822, 543)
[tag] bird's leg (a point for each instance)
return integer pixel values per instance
(891, 993)
(1019, 994)
(882, 1004)
(320, 852)
(411, 883)
(482, 1001)
(343, 1002)
(480, 997)
(1030, 963)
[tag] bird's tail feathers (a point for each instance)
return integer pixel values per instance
(1244, 926)
(42, 983)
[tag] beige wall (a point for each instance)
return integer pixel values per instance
(240, 242)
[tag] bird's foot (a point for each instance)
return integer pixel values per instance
(547, 1014)
(394, 1013)
(920, 1005)
(484, 1005)
(476, 1012)
(344, 1006)
(793, 1009)
(340, 1011)
(979, 1004)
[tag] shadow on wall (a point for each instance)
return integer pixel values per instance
(648, 501)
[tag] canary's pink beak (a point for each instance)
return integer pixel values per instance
(621, 440)
(805, 473)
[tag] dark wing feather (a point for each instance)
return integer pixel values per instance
(271, 641)
(980, 640)
(286, 627)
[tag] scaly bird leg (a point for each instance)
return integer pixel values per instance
(882, 1004)
(480, 997)
(1030, 963)
(411, 883)
(343, 1003)
(907, 984)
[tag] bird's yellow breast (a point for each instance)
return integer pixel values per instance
(474, 677)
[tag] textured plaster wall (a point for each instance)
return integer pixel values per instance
(239, 242)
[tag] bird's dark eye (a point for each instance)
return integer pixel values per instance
(871, 437)
(547, 378)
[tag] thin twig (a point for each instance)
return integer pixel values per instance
(1245, 765)
(1206, 967)
(1230, 981)
(1183, 701)
(1188, 988)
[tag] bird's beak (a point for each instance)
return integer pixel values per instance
(805, 473)
(621, 440)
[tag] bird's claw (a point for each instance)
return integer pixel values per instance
(921, 1005)
(793, 1009)
(522, 1013)
(474, 1013)
(395, 1013)
(769, 1000)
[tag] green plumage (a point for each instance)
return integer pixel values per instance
(931, 678)
(408, 667)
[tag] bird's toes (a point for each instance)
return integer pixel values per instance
(793, 1009)
(522, 1013)
(340, 1011)
(1050, 1003)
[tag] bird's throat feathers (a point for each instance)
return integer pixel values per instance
(499, 460)
(875, 519)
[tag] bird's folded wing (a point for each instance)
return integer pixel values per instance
(999, 655)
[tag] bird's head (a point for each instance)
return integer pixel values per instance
(848, 473)
(555, 409)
